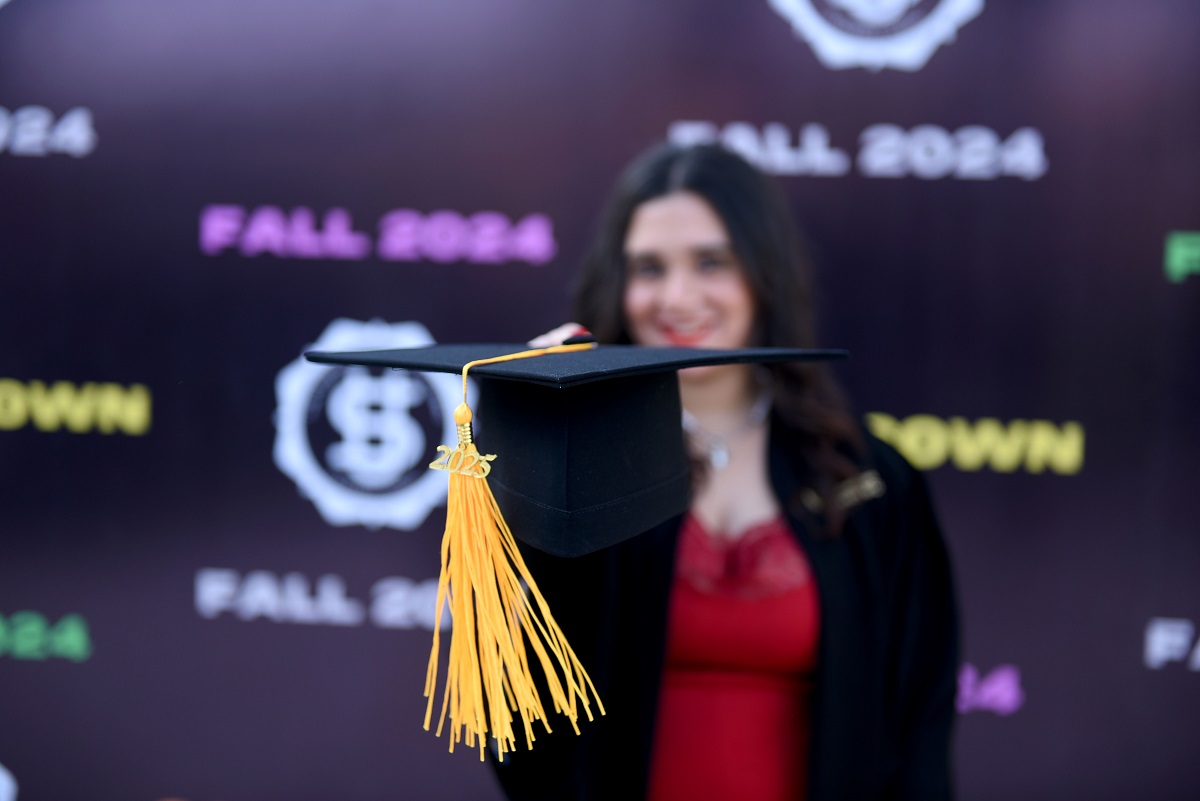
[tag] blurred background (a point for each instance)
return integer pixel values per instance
(217, 560)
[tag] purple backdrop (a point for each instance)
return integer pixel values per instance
(216, 561)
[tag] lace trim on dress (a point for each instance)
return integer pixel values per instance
(765, 561)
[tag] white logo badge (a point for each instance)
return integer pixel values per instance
(357, 441)
(8, 785)
(901, 34)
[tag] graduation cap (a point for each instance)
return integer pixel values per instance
(581, 448)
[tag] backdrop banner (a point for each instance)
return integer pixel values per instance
(218, 561)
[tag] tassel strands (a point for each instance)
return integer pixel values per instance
(496, 610)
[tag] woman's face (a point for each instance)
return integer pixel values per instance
(684, 285)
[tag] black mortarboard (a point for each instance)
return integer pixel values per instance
(588, 452)
(590, 449)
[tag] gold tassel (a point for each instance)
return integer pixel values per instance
(489, 588)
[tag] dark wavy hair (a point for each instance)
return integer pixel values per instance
(809, 410)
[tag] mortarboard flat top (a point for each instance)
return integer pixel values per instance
(566, 369)
(589, 444)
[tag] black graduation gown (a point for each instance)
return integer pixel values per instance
(883, 698)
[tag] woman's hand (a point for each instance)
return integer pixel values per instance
(558, 335)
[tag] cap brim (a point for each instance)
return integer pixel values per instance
(567, 369)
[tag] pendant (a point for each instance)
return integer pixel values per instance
(718, 456)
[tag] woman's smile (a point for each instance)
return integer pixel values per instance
(683, 335)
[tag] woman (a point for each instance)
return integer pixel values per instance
(794, 635)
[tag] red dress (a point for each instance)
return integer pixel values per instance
(741, 650)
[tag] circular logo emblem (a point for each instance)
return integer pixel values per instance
(357, 441)
(901, 34)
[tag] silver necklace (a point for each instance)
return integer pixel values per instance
(716, 446)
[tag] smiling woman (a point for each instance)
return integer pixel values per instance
(793, 635)
(698, 248)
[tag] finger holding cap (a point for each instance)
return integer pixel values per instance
(558, 336)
